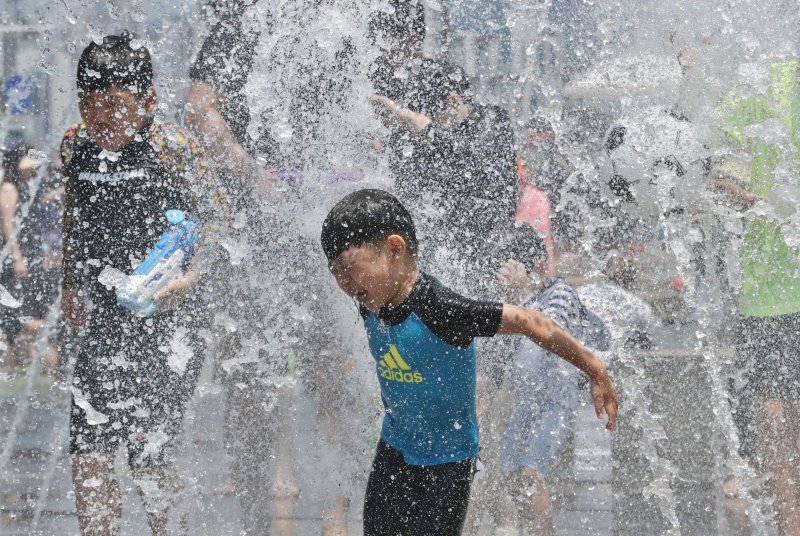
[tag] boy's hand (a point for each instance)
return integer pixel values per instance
(74, 308)
(515, 275)
(390, 113)
(176, 290)
(20, 268)
(605, 400)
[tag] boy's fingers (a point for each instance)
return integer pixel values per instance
(599, 403)
(611, 411)
(606, 403)
(172, 287)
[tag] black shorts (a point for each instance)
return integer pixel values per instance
(133, 378)
(413, 500)
(768, 351)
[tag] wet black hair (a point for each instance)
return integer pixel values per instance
(366, 216)
(117, 62)
(403, 19)
(429, 88)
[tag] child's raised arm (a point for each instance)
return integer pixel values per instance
(553, 338)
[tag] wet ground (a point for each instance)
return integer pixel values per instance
(36, 491)
(606, 485)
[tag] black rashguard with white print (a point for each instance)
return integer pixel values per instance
(133, 376)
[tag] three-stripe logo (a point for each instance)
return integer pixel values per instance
(394, 368)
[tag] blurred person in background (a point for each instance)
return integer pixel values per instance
(478, 38)
(543, 412)
(14, 192)
(298, 61)
(766, 387)
(218, 115)
(453, 163)
(40, 242)
(543, 167)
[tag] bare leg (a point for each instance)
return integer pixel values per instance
(780, 456)
(538, 507)
(12, 354)
(251, 431)
(284, 493)
(331, 393)
(509, 504)
(336, 518)
(160, 489)
(50, 358)
(97, 495)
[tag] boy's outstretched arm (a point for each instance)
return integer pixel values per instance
(553, 338)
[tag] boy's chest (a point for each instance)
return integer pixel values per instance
(132, 187)
(411, 357)
(122, 203)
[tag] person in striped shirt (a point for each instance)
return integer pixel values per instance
(545, 388)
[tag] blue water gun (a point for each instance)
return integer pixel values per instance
(167, 261)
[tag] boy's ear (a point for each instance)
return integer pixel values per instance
(397, 245)
(150, 100)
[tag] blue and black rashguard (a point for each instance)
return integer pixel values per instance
(426, 363)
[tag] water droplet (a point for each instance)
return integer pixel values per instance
(138, 15)
(47, 67)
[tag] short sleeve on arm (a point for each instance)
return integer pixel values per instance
(454, 318)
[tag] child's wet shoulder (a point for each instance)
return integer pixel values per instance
(176, 149)
(74, 137)
(452, 316)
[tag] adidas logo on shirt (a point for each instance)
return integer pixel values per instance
(394, 368)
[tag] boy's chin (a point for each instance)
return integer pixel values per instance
(107, 144)
(110, 142)
(370, 305)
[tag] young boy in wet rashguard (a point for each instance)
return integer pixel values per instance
(133, 376)
(421, 337)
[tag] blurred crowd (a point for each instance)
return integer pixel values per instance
(654, 205)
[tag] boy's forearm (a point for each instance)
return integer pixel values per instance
(552, 337)
(69, 258)
(208, 125)
(561, 343)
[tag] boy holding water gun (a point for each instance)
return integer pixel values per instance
(128, 180)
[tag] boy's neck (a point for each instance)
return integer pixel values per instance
(406, 280)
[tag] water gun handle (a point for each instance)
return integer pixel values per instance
(165, 262)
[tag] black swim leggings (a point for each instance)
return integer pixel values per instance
(411, 500)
